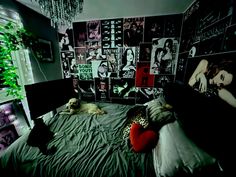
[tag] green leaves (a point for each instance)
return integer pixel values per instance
(13, 38)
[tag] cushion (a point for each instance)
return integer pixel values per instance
(175, 153)
(141, 139)
(159, 111)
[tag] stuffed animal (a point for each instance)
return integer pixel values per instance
(74, 106)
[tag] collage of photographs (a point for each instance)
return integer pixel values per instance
(124, 58)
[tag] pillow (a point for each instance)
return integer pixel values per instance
(159, 111)
(141, 139)
(175, 153)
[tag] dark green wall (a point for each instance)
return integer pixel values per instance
(41, 27)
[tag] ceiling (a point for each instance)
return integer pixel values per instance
(122, 8)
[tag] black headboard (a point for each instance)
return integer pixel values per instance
(44, 97)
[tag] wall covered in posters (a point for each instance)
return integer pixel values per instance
(207, 55)
(121, 58)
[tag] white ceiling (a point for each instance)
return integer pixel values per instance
(103, 9)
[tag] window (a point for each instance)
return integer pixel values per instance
(20, 58)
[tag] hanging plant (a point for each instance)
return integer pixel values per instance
(13, 38)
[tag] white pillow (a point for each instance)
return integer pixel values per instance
(175, 152)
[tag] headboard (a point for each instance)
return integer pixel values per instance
(44, 97)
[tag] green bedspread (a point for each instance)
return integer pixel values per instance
(87, 146)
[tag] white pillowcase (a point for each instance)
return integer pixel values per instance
(175, 152)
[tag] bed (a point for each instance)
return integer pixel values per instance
(94, 145)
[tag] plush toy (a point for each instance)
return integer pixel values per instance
(142, 140)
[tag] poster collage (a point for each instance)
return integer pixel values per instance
(124, 58)
(207, 54)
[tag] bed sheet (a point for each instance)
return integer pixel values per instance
(87, 145)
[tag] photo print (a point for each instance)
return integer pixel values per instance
(80, 33)
(127, 67)
(145, 51)
(144, 95)
(100, 68)
(213, 76)
(154, 28)
(112, 59)
(94, 51)
(161, 80)
(102, 89)
(80, 54)
(164, 56)
(70, 57)
(143, 76)
(122, 88)
(133, 31)
(66, 41)
(112, 33)
(94, 30)
(85, 72)
(86, 90)
(8, 135)
(66, 58)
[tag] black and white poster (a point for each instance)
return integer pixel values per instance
(154, 28)
(87, 90)
(164, 56)
(66, 41)
(102, 89)
(94, 51)
(122, 88)
(133, 31)
(112, 33)
(80, 54)
(127, 68)
(80, 33)
(100, 68)
(94, 30)
(161, 80)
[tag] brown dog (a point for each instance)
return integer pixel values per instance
(73, 106)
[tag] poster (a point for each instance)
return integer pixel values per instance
(93, 51)
(85, 72)
(112, 33)
(86, 90)
(127, 68)
(154, 28)
(102, 89)
(80, 54)
(80, 33)
(133, 31)
(66, 41)
(143, 76)
(164, 56)
(93, 30)
(145, 51)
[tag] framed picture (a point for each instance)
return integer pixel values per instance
(46, 50)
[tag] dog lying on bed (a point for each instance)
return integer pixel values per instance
(74, 106)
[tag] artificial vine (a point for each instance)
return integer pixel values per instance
(13, 38)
